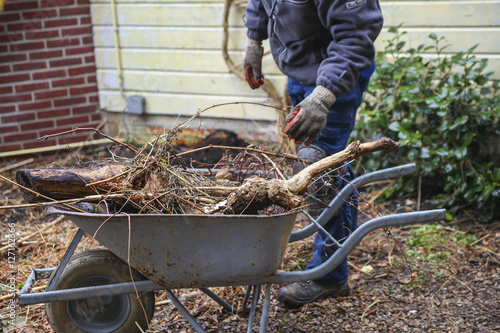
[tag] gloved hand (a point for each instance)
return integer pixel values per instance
(253, 63)
(308, 118)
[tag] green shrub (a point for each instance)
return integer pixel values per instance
(444, 111)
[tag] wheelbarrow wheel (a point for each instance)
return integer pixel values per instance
(118, 313)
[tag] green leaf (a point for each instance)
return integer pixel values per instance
(433, 36)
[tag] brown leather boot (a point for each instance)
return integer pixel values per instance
(298, 294)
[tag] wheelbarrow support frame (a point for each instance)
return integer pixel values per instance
(26, 297)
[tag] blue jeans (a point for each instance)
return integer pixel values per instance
(332, 139)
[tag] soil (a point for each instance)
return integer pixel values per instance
(448, 281)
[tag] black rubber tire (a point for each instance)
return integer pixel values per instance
(117, 314)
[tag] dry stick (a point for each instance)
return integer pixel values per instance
(189, 203)
(259, 151)
(298, 183)
(81, 129)
(38, 194)
(15, 165)
(275, 167)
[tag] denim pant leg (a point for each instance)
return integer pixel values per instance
(334, 138)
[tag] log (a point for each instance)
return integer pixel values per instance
(70, 183)
(254, 195)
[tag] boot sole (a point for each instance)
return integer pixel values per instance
(296, 303)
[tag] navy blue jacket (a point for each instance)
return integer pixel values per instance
(318, 42)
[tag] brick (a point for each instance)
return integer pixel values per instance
(54, 113)
(26, 46)
(77, 31)
(9, 129)
(14, 78)
(79, 50)
(60, 22)
(85, 109)
(37, 125)
(49, 74)
(87, 40)
(68, 82)
(2, 28)
(85, 20)
(82, 90)
(35, 106)
(42, 34)
(63, 42)
(11, 37)
(20, 137)
(39, 144)
(93, 98)
(5, 69)
(12, 57)
(5, 148)
(91, 79)
(69, 101)
(51, 94)
(83, 2)
(15, 98)
(96, 117)
(81, 70)
(20, 5)
(4, 48)
(32, 86)
(7, 108)
(6, 17)
(6, 90)
(80, 11)
(18, 118)
(90, 59)
(73, 121)
(26, 66)
(45, 54)
(65, 62)
(57, 3)
(39, 14)
(24, 26)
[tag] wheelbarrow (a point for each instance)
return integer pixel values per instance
(113, 290)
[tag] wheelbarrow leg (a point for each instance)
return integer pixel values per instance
(67, 255)
(247, 297)
(219, 300)
(255, 298)
(265, 310)
(184, 312)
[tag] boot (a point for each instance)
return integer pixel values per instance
(298, 294)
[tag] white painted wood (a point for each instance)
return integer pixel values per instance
(171, 50)
(187, 105)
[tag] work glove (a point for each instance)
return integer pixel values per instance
(253, 63)
(308, 118)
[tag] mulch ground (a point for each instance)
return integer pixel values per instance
(448, 281)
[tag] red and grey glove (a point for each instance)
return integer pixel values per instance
(308, 118)
(253, 63)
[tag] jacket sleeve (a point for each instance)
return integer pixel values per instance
(354, 25)
(256, 20)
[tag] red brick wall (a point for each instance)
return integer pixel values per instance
(47, 72)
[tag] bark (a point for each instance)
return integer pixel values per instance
(70, 183)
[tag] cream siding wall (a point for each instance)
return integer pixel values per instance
(171, 51)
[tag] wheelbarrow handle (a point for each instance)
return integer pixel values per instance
(346, 192)
(354, 239)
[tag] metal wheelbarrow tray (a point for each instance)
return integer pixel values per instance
(200, 251)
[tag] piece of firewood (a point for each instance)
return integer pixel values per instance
(70, 183)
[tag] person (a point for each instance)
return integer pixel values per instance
(326, 50)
